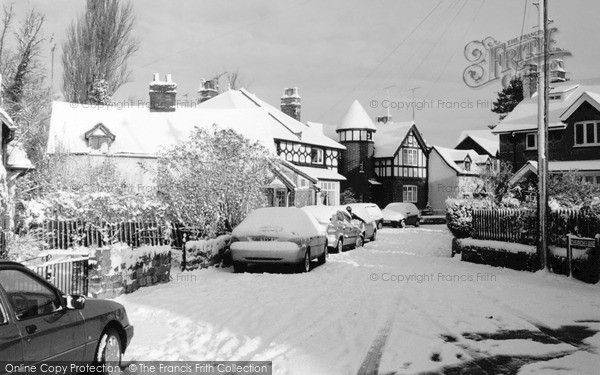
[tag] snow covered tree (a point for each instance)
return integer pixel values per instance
(97, 47)
(100, 93)
(508, 98)
(25, 91)
(214, 179)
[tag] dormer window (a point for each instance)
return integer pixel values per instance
(99, 138)
(468, 164)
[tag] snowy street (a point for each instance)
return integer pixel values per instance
(399, 305)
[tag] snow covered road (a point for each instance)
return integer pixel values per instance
(399, 305)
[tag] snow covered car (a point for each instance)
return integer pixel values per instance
(341, 232)
(401, 214)
(285, 235)
(368, 225)
(39, 323)
(373, 210)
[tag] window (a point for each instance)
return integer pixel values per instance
(3, 318)
(279, 198)
(468, 165)
(302, 182)
(410, 156)
(531, 141)
(589, 179)
(369, 135)
(342, 136)
(587, 134)
(28, 297)
(409, 193)
(329, 194)
(598, 180)
(317, 156)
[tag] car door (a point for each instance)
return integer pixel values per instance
(350, 231)
(48, 329)
(10, 338)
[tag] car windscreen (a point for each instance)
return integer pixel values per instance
(321, 213)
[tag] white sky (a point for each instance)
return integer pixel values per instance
(336, 51)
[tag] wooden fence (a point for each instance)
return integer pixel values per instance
(64, 234)
(520, 225)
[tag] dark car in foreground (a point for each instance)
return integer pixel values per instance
(38, 323)
(278, 235)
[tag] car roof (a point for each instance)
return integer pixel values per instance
(10, 263)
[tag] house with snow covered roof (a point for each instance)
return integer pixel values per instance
(382, 163)
(573, 130)
(454, 174)
(132, 136)
(482, 141)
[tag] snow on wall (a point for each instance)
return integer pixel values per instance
(205, 253)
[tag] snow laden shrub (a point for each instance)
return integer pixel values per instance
(213, 179)
(459, 215)
(206, 253)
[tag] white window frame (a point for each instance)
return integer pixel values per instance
(411, 158)
(534, 147)
(332, 188)
(585, 143)
(318, 159)
(413, 191)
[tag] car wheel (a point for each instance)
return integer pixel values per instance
(417, 223)
(360, 241)
(394, 224)
(340, 246)
(239, 267)
(108, 351)
(305, 264)
(403, 224)
(323, 258)
(380, 225)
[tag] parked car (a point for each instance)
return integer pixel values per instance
(284, 235)
(341, 232)
(401, 214)
(39, 323)
(369, 226)
(373, 210)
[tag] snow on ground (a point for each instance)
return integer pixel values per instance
(426, 310)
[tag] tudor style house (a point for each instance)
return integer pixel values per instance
(384, 163)
(573, 131)
(133, 135)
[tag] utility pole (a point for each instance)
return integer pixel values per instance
(413, 102)
(543, 83)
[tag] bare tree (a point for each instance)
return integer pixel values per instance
(97, 48)
(236, 81)
(26, 93)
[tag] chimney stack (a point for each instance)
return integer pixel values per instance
(290, 103)
(163, 94)
(530, 80)
(208, 89)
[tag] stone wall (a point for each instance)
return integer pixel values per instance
(109, 280)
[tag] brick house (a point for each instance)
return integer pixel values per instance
(382, 163)
(573, 131)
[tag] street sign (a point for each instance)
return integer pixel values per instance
(579, 242)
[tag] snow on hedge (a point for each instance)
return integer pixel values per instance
(510, 247)
(210, 247)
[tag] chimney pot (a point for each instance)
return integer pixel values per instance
(155, 77)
